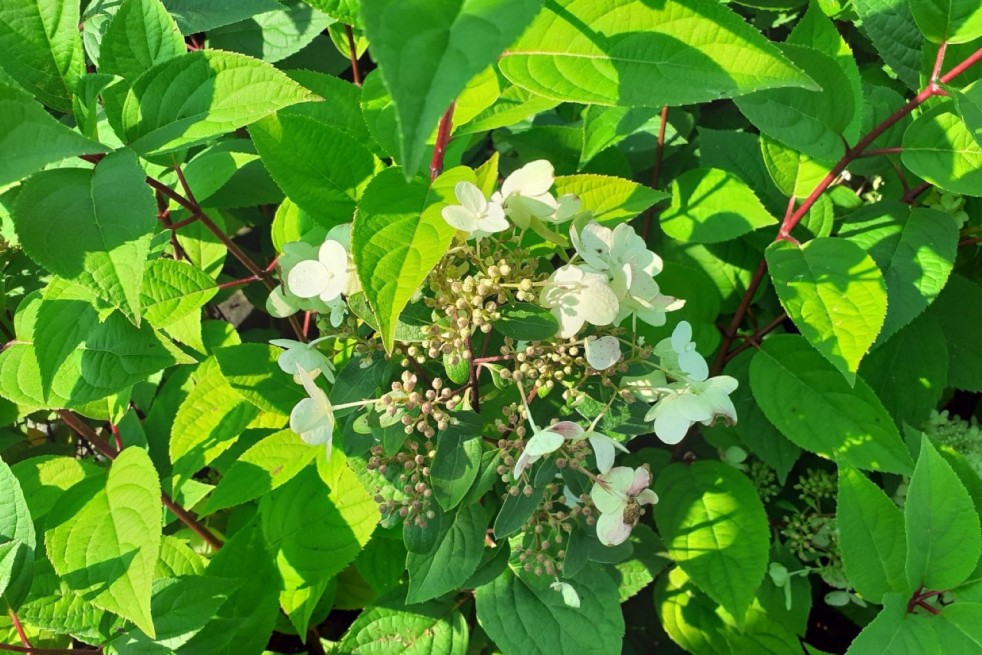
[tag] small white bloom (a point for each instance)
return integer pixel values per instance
(603, 449)
(474, 215)
(696, 402)
(325, 277)
(304, 355)
(578, 295)
(679, 353)
(602, 353)
(525, 193)
(570, 597)
(545, 442)
(313, 417)
(619, 496)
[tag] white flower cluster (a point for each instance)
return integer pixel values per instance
(315, 279)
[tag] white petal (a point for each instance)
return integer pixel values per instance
(603, 451)
(524, 461)
(568, 429)
(612, 530)
(569, 322)
(543, 443)
(279, 305)
(681, 337)
(460, 218)
(619, 479)
(593, 245)
(533, 179)
(607, 500)
(647, 497)
(640, 481)
(570, 597)
(307, 279)
(471, 197)
(603, 353)
(598, 303)
(693, 364)
(567, 206)
(334, 287)
(493, 220)
(341, 234)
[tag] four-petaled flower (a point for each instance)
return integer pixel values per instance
(313, 417)
(474, 215)
(306, 356)
(578, 295)
(619, 495)
(694, 402)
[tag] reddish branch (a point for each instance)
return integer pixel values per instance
(656, 174)
(110, 453)
(442, 139)
(353, 53)
(49, 651)
(21, 634)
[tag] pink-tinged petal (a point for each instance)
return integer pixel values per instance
(647, 497)
(607, 500)
(524, 461)
(640, 481)
(620, 478)
(568, 429)
(612, 530)
(603, 451)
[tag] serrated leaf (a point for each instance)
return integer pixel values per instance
(165, 110)
(871, 536)
(140, 35)
(172, 290)
(103, 538)
(514, 105)
(516, 510)
(45, 478)
(272, 35)
(944, 539)
(954, 630)
(604, 127)
(891, 27)
(969, 104)
(959, 309)
(345, 11)
(793, 172)
(450, 42)
(397, 238)
(194, 16)
(939, 147)
(714, 526)
(813, 406)
(615, 64)
(458, 459)
(264, 467)
(93, 227)
(31, 139)
(252, 371)
(948, 21)
(456, 556)
(611, 199)
(710, 205)
(17, 540)
(835, 294)
(523, 615)
(53, 606)
(41, 48)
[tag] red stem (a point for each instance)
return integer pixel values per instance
(656, 173)
(21, 634)
(881, 151)
(49, 651)
(353, 53)
(939, 61)
(442, 139)
(912, 195)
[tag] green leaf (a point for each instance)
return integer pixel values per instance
(264, 467)
(449, 41)
(611, 199)
(959, 310)
(397, 238)
(914, 248)
(939, 147)
(458, 459)
(811, 121)
(944, 539)
(516, 510)
(200, 95)
(17, 540)
(523, 615)
(140, 35)
(526, 322)
(893, 32)
(710, 205)
(717, 55)
(793, 172)
(93, 227)
(813, 406)
(273, 35)
(514, 105)
(194, 16)
(715, 528)
(391, 628)
(954, 630)
(344, 11)
(104, 537)
(948, 21)
(252, 371)
(871, 535)
(172, 290)
(456, 556)
(604, 127)
(40, 48)
(969, 104)
(835, 294)
(45, 478)
(320, 166)
(31, 139)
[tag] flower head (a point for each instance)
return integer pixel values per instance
(304, 355)
(619, 495)
(689, 403)
(545, 442)
(324, 277)
(578, 295)
(474, 215)
(313, 417)
(525, 193)
(315, 278)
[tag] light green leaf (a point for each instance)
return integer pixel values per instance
(321, 166)
(689, 51)
(252, 371)
(17, 540)
(397, 239)
(104, 537)
(525, 617)
(811, 121)
(390, 627)
(710, 205)
(793, 172)
(835, 294)
(264, 467)
(969, 104)
(891, 27)
(954, 630)
(40, 48)
(449, 41)
(46, 477)
(53, 606)
(948, 21)
(813, 406)
(959, 310)
(194, 16)
(714, 526)
(178, 559)
(200, 95)
(611, 199)
(604, 127)
(31, 139)
(172, 290)
(140, 35)
(458, 459)
(86, 102)
(273, 35)
(939, 147)
(915, 249)
(944, 539)
(456, 556)
(93, 227)
(871, 535)
(514, 105)
(345, 11)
